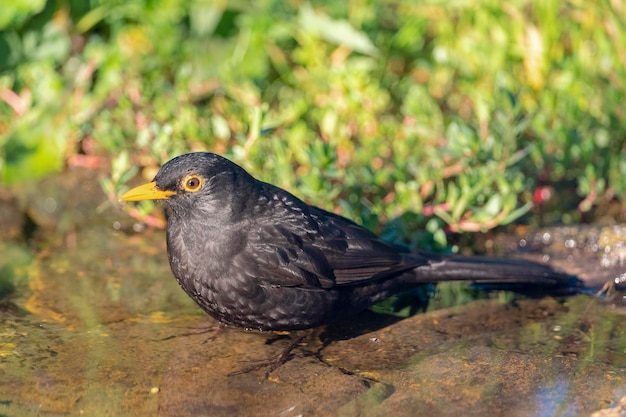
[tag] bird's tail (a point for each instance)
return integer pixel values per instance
(502, 273)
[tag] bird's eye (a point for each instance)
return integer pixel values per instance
(192, 183)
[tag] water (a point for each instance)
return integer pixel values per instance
(96, 325)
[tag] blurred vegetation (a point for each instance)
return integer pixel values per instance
(428, 115)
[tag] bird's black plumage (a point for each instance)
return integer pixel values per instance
(253, 255)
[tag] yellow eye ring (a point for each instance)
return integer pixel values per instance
(192, 183)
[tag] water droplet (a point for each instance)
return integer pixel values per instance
(50, 205)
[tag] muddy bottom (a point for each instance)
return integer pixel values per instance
(534, 358)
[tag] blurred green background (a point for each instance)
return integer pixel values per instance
(435, 116)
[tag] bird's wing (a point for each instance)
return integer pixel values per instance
(321, 250)
(356, 254)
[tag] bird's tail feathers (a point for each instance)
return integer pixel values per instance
(488, 272)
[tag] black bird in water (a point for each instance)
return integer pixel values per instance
(255, 256)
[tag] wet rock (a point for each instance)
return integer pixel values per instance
(618, 410)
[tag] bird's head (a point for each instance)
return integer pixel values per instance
(204, 181)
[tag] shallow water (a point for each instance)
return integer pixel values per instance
(97, 326)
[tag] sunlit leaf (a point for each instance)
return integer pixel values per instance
(339, 32)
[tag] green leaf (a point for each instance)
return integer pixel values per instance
(15, 12)
(338, 32)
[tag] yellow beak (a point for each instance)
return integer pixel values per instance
(148, 191)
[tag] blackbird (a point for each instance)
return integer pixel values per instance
(255, 256)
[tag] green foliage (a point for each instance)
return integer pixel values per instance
(16, 12)
(419, 114)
